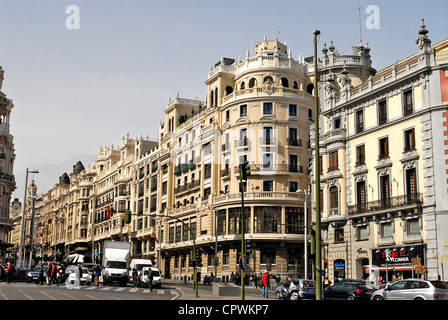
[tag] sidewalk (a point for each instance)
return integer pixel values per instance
(204, 293)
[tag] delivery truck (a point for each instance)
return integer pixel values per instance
(116, 257)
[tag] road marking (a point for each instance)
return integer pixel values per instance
(133, 290)
(3, 295)
(160, 291)
(70, 296)
(146, 290)
(106, 288)
(25, 294)
(43, 292)
(91, 288)
(120, 289)
(93, 297)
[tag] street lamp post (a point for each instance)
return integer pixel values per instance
(23, 215)
(316, 33)
(305, 192)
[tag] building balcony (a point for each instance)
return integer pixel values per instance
(272, 168)
(403, 201)
(261, 195)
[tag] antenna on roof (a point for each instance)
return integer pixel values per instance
(359, 15)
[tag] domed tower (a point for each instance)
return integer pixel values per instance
(264, 116)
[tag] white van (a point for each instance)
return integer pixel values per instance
(156, 276)
(138, 264)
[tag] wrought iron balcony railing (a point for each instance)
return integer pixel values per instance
(410, 199)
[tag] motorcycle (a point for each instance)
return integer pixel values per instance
(207, 280)
(289, 290)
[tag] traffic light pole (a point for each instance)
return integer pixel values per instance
(244, 173)
(317, 174)
(243, 247)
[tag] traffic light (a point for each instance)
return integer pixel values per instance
(127, 216)
(274, 225)
(244, 171)
(325, 263)
(248, 246)
(197, 254)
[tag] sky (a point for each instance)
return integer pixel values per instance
(83, 79)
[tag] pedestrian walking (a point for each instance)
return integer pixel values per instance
(79, 273)
(97, 275)
(8, 272)
(13, 273)
(134, 277)
(40, 275)
(265, 282)
(150, 280)
(48, 274)
(54, 272)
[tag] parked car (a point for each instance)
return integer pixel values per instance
(413, 289)
(348, 290)
(306, 289)
(156, 277)
(86, 277)
(32, 275)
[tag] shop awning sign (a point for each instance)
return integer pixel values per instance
(396, 256)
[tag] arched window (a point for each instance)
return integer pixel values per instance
(334, 198)
(243, 86)
(252, 82)
(295, 85)
(212, 100)
(216, 97)
(229, 90)
(285, 83)
(310, 88)
(268, 79)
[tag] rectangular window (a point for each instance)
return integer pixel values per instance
(268, 186)
(267, 108)
(362, 233)
(227, 115)
(267, 161)
(359, 121)
(413, 226)
(334, 200)
(267, 135)
(337, 123)
(333, 161)
(383, 148)
(386, 230)
(360, 155)
(293, 186)
(293, 110)
(408, 107)
(268, 255)
(339, 235)
(409, 140)
(382, 112)
(243, 110)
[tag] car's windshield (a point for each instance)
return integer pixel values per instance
(310, 284)
(116, 264)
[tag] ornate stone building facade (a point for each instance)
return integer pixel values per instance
(7, 157)
(383, 176)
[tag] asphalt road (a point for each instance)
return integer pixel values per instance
(32, 291)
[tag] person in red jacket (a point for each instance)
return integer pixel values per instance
(265, 282)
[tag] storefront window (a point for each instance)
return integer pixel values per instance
(339, 269)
